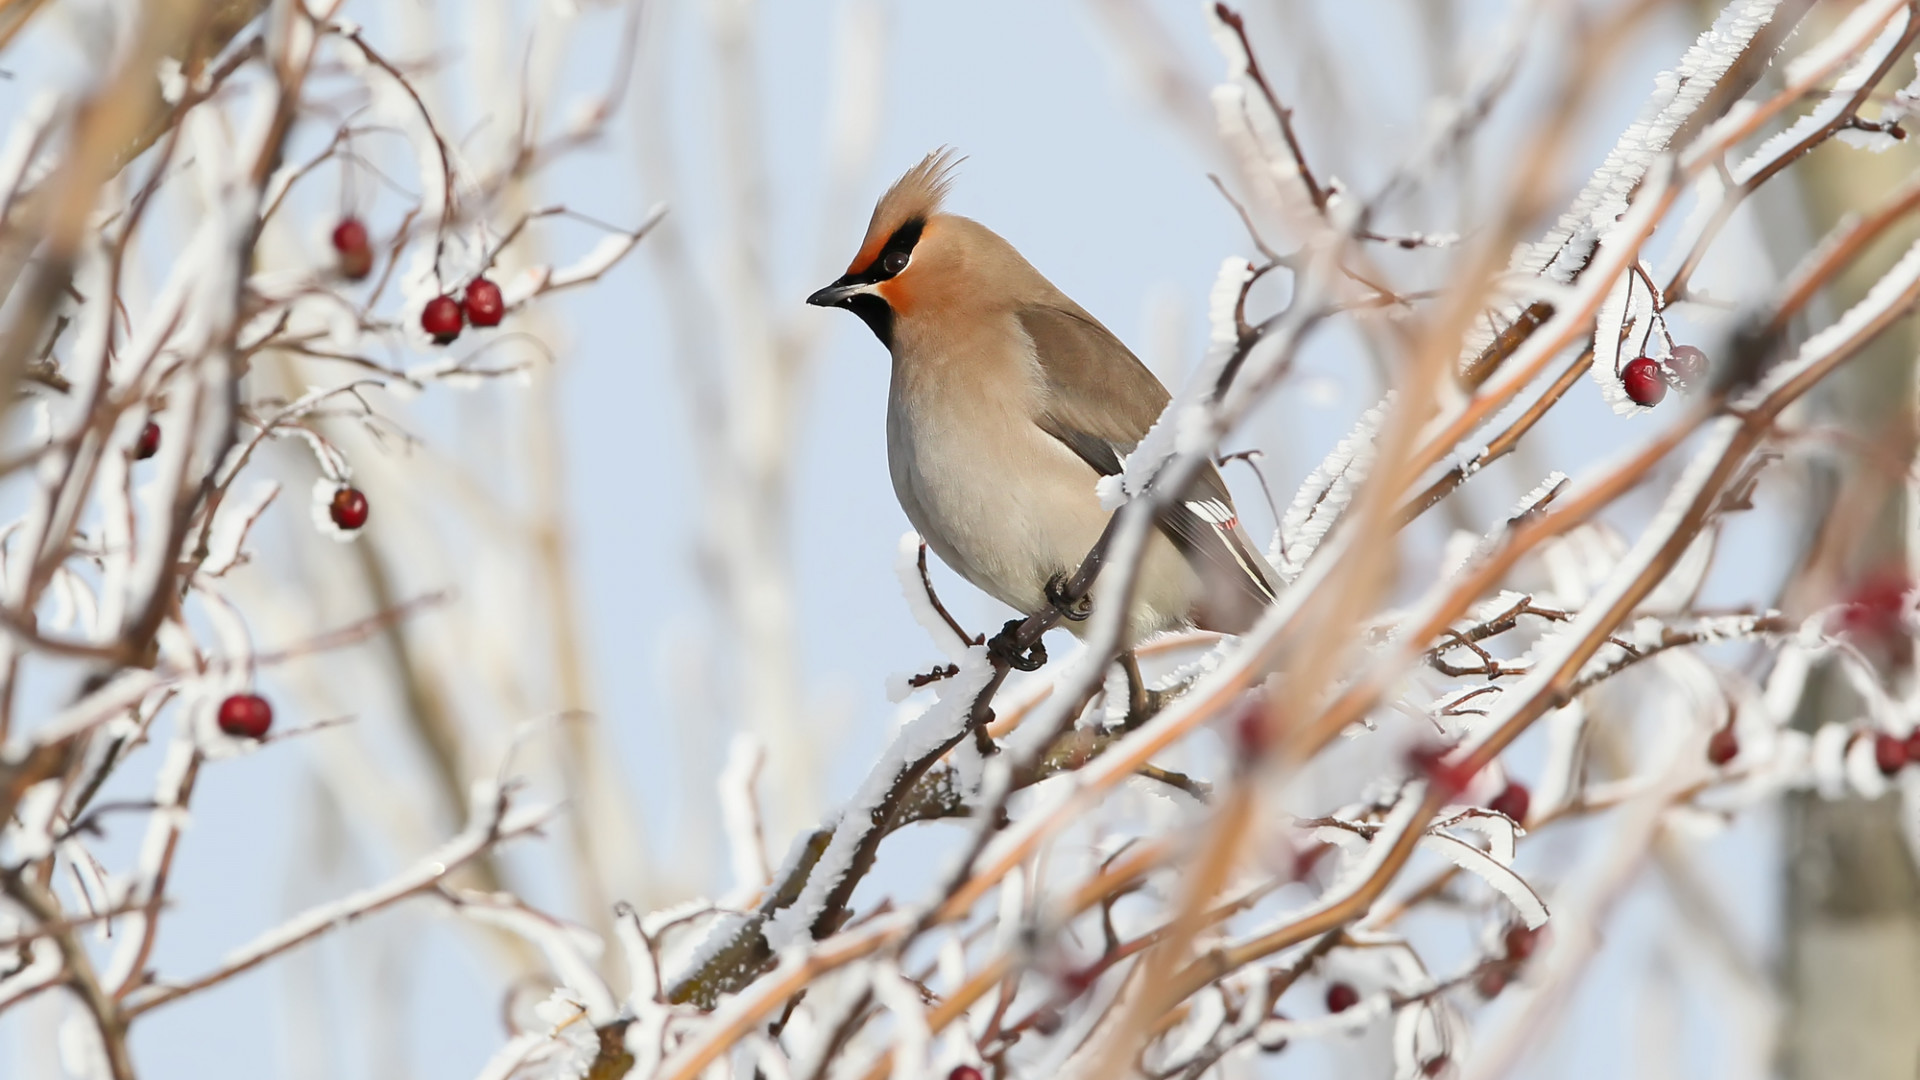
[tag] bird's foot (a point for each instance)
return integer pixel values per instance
(1005, 646)
(1072, 610)
(1143, 703)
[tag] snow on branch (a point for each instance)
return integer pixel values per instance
(498, 821)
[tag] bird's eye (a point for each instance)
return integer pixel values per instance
(894, 262)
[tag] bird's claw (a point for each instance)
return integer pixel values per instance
(1005, 646)
(1144, 703)
(1073, 610)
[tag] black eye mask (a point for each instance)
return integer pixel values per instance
(893, 258)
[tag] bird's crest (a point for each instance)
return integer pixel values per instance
(914, 197)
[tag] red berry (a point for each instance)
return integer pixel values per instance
(965, 1072)
(246, 715)
(348, 508)
(1430, 761)
(1079, 980)
(349, 235)
(484, 305)
(1512, 801)
(356, 256)
(1306, 859)
(1491, 980)
(441, 319)
(1520, 942)
(1724, 746)
(1876, 605)
(1251, 730)
(1889, 753)
(1642, 381)
(1688, 366)
(1341, 997)
(149, 443)
(1434, 1065)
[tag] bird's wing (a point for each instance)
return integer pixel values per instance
(1100, 401)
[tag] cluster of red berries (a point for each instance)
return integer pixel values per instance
(443, 317)
(1517, 945)
(1646, 380)
(1891, 753)
(482, 305)
(246, 716)
(348, 508)
(1452, 777)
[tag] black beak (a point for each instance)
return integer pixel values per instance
(855, 293)
(836, 294)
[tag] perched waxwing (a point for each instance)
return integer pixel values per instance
(1008, 403)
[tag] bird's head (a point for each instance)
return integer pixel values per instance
(905, 249)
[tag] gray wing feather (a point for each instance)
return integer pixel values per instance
(1100, 402)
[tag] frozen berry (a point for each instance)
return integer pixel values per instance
(441, 319)
(1341, 997)
(1642, 382)
(1689, 367)
(964, 1072)
(149, 443)
(348, 508)
(1889, 753)
(246, 715)
(484, 305)
(1724, 746)
(356, 255)
(1512, 801)
(1047, 1020)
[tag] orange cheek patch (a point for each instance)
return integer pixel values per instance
(897, 292)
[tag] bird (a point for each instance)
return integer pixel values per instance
(1007, 403)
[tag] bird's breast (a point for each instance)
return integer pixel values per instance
(1003, 503)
